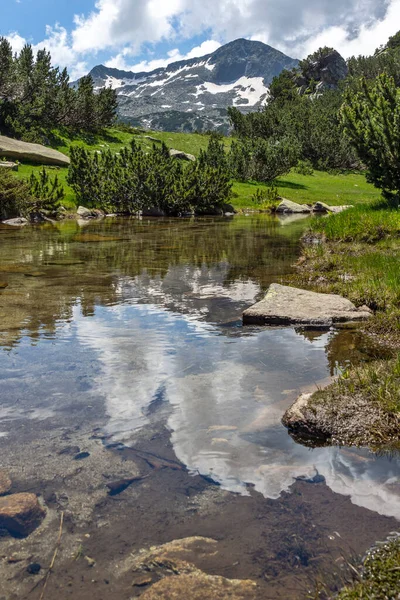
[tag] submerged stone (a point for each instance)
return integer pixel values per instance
(5, 482)
(284, 305)
(93, 237)
(200, 586)
(20, 514)
(174, 564)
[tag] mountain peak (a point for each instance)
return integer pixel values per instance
(194, 94)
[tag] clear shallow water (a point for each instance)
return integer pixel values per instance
(146, 318)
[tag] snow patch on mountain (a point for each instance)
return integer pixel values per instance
(194, 95)
(249, 89)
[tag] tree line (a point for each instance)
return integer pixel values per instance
(304, 121)
(36, 97)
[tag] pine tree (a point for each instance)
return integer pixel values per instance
(85, 105)
(372, 123)
(106, 107)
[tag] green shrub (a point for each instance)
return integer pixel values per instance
(14, 195)
(262, 160)
(47, 193)
(134, 180)
(267, 198)
(304, 167)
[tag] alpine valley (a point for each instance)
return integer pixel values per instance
(193, 95)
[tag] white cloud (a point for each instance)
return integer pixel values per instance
(115, 23)
(17, 42)
(123, 27)
(57, 42)
(368, 39)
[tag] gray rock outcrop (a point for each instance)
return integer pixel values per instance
(36, 153)
(287, 206)
(327, 68)
(285, 305)
(321, 207)
(10, 166)
(89, 213)
(181, 155)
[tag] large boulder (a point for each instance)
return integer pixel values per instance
(153, 211)
(181, 155)
(285, 305)
(36, 153)
(20, 514)
(287, 206)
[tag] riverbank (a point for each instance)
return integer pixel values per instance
(356, 254)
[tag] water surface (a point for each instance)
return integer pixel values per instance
(145, 315)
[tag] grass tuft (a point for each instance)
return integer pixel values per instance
(364, 223)
(379, 577)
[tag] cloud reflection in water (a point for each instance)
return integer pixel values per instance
(226, 395)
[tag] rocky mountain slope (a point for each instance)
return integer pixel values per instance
(194, 94)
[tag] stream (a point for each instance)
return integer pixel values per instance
(139, 320)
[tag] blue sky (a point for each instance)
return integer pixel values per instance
(145, 34)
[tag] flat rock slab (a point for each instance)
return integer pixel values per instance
(285, 305)
(32, 152)
(20, 514)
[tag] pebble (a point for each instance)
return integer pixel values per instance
(81, 455)
(34, 568)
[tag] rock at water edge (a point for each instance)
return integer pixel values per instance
(287, 206)
(285, 305)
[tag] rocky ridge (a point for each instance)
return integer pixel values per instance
(194, 94)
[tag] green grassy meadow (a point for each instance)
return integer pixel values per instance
(334, 189)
